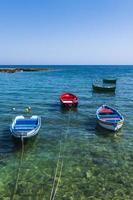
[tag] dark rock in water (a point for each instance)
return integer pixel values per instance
(99, 161)
(13, 70)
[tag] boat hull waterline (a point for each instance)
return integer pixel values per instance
(103, 88)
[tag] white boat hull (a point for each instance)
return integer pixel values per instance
(111, 126)
(25, 134)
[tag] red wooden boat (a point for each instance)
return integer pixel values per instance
(68, 99)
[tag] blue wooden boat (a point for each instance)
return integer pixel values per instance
(22, 127)
(109, 118)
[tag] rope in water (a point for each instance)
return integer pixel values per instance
(58, 181)
(59, 161)
(18, 172)
(56, 171)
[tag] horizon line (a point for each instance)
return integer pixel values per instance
(67, 64)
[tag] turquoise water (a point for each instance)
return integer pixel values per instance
(70, 159)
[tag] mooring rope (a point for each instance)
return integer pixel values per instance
(58, 181)
(59, 161)
(18, 172)
(56, 171)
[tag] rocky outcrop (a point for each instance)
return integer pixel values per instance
(13, 70)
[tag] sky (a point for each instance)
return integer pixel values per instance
(66, 32)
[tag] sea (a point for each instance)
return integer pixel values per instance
(71, 158)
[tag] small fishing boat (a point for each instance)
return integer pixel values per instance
(103, 88)
(68, 99)
(22, 127)
(109, 118)
(109, 80)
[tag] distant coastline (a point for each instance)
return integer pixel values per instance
(36, 68)
(13, 70)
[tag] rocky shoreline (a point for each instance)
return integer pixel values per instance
(13, 70)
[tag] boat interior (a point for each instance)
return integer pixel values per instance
(25, 124)
(109, 115)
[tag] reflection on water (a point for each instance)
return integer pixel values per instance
(65, 109)
(92, 163)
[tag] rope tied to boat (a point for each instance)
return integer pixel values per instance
(18, 171)
(55, 176)
(60, 162)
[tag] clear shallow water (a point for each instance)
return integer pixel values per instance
(94, 163)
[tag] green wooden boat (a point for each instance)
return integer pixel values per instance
(109, 80)
(97, 87)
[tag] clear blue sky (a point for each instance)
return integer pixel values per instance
(66, 31)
